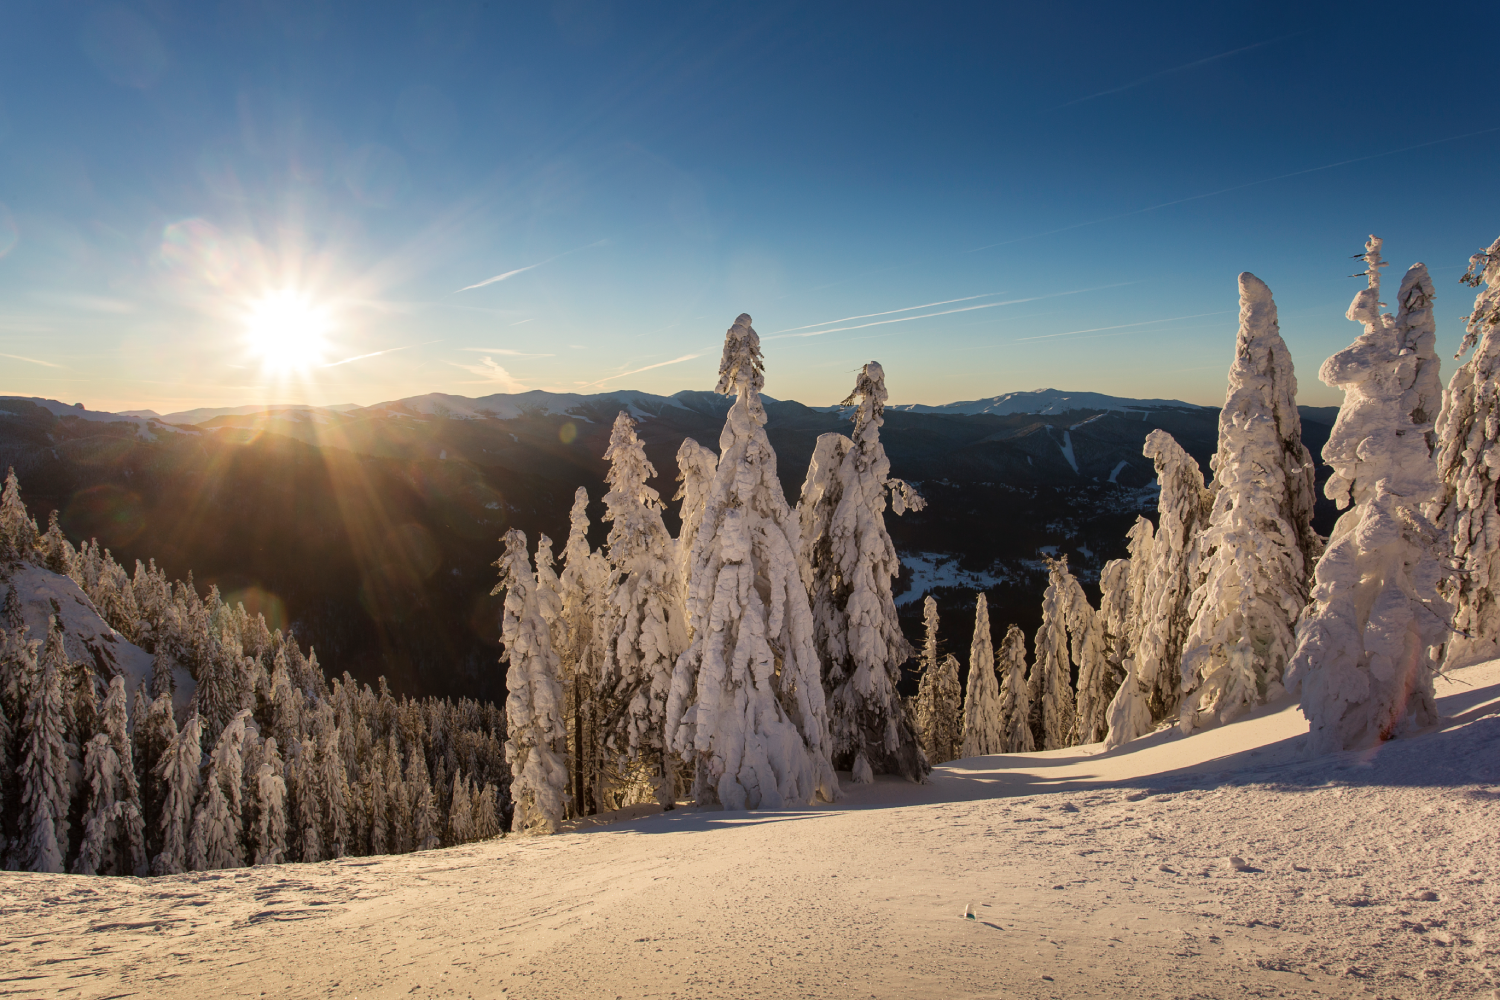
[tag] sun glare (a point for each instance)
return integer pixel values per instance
(287, 331)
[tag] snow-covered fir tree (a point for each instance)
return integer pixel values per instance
(534, 703)
(1053, 712)
(18, 532)
(848, 564)
(1122, 586)
(107, 843)
(1256, 549)
(585, 591)
(984, 720)
(645, 636)
(1468, 508)
(1162, 612)
(1015, 694)
(178, 772)
(1364, 664)
(939, 707)
(696, 468)
(747, 707)
(269, 791)
(43, 766)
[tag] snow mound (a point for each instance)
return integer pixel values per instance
(86, 635)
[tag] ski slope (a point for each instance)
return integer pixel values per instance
(1225, 864)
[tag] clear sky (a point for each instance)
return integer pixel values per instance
(207, 204)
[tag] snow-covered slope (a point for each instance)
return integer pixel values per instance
(204, 414)
(144, 423)
(510, 405)
(1048, 401)
(1225, 864)
(87, 636)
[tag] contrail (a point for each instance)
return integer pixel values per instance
(945, 312)
(34, 361)
(1122, 326)
(373, 354)
(1168, 72)
(1237, 187)
(528, 267)
(659, 364)
(506, 351)
(888, 312)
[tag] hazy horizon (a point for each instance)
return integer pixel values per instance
(323, 203)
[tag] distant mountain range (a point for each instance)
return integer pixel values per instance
(372, 530)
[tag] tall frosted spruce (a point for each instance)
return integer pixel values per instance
(848, 563)
(984, 723)
(1468, 460)
(645, 637)
(1363, 663)
(939, 707)
(584, 587)
(746, 708)
(1258, 544)
(42, 837)
(533, 707)
(1015, 694)
(1162, 612)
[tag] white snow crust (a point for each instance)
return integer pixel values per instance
(1224, 864)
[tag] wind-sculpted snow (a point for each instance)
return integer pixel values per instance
(1363, 664)
(848, 564)
(1224, 864)
(1468, 458)
(1258, 543)
(746, 707)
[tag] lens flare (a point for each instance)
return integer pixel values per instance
(287, 330)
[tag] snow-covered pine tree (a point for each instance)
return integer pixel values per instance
(1255, 551)
(1015, 694)
(747, 708)
(696, 468)
(333, 794)
(115, 724)
(984, 723)
(487, 813)
(215, 840)
(269, 791)
(1468, 461)
(584, 587)
(45, 793)
(534, 704)
(1052, 676)
(939, 710)
(460, 812)
(1182, 511)
(1363, 663)
(153, 736)
(645, 637)
(178, 772)
(1123, 593)
(99, 852)
(18, 532)
(847, 564)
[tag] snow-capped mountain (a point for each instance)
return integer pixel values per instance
(1049, 402)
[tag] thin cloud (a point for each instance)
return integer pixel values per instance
(503, 350)
(372, 354)
(946, 312)
(1121, 326)
(528, 267)
(888, 312)
(493, 374)
(637, 371)
(35, 361)
(523, 322)
(1236, 187)
(1169, 72)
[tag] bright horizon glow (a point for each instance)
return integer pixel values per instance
(467, 199)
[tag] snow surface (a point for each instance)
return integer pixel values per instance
(930, 570)
(1225, 864)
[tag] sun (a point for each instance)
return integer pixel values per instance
(287, 330)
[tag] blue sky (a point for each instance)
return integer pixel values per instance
(216, 204)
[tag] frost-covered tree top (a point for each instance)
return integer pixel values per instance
(984, 720)
(747, 706)
(1468, 461)
(533, 705)
(1162, 612)
(1015, 694)
(1255, 551)
(1363, 663)
(848, 564)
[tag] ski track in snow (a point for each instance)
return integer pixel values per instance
(1225, 864)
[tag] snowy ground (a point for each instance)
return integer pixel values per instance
(1092, 875)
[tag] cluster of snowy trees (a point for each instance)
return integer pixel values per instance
(741, 663)
(1232, 599)
(265, 762)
